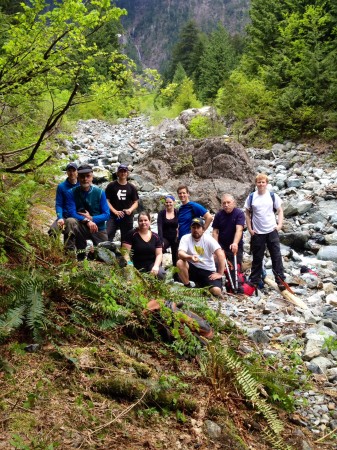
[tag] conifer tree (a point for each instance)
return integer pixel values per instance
(187, 50)
(216, 63)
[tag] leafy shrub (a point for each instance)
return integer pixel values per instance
(200, 126)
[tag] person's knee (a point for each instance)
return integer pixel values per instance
(216, 291)
(181, 264)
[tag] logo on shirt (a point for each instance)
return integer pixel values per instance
(199, 250)
(121, 194)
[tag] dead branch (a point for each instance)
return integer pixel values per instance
(51, 123)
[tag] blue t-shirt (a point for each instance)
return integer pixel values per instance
(185, 215)
(226, 224)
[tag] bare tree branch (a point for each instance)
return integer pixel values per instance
(50, 124)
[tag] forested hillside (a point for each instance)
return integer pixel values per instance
(152, 26)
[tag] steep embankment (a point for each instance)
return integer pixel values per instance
(152, 26)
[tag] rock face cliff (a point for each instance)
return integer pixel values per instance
(152, 26)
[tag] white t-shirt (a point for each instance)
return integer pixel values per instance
(262, 208)
(204, 248)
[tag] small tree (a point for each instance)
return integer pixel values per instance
(186, 98)
(43, 52)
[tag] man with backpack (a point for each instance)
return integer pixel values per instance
(188, 210)
(260, 208)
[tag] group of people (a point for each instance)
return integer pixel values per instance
(85, 211)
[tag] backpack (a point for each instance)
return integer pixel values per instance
(250, 201)
(244, 286)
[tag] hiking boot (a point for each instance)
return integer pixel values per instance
(281, 286)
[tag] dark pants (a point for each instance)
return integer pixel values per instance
(76, 235)
(174, 248)
(201, 277)
(125, 225)
(147, 269)
(230, 256)
(258, 246)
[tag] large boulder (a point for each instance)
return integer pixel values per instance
(187, 115)
(210, 167)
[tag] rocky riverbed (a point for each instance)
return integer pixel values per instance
(307, 184)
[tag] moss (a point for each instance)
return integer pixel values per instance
(128, 388)
(25, 422)
(230, 438)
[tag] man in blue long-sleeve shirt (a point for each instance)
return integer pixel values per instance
(88, 210)
(61, 203)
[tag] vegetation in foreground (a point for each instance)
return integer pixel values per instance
(76, 345)
(81, 366)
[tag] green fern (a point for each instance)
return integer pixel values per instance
(229, 364)
(11, 320)
(35, 308)
(26, 305)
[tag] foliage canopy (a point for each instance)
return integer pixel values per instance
(42, 53)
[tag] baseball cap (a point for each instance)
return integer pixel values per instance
(123, 167)
(84, 168)
(71, 165)
(199, 221)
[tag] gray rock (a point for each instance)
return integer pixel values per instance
(297, 240)
(312, 349)
(328, 253)
(331, 239)
(212, 429)
(258, 336)
(320, 364)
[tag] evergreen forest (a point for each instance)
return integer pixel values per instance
(62, 61)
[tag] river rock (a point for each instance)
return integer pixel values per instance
(328, 253)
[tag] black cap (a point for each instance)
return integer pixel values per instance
(84, 168)
(71, 165)
(198, 221)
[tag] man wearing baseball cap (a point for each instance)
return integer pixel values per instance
(122, 199)
(89, 212)
(196, 260)
(61, 204)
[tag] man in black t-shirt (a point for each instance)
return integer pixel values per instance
(122, 199)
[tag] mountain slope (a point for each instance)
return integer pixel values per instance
(152, 26)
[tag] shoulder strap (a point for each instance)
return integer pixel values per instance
(272, 195)
(250, 200)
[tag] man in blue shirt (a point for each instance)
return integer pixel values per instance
(89, 212)
(189, 210)
(61, 205)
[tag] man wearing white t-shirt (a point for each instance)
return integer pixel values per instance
(263, 228)
(196, 261)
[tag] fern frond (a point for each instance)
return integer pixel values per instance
(11, 320)
(229, 364)
(35, 308)
(275, 441)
